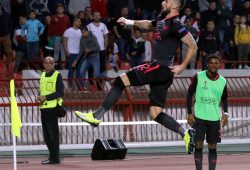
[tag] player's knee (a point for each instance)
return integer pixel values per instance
(199, 144)
(125, 79)
(155, 111)
(153, 115)
(119, 83)
(212, 145)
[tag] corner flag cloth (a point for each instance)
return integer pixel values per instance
(16, 123)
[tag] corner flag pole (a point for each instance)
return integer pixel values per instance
(16, 123)
(14, 152)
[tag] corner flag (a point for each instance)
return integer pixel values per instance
(16, 123)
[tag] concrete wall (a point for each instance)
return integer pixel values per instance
(32, 74)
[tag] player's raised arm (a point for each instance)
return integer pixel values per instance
(144, 24)
(192, 48)
(189, 41)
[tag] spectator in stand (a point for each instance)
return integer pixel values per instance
(89, 54)
(231, 55)
(194, 32)
(187, 12)
(193, 4)
(248, 20)
(46, 44)
(197, 26)
(229, 4)
(71, 43)
(148, 48)
(197, 20)
(81, 15)
(113, 52)
(244, 9)
(114, 7)
(132, 8)
(225, 15)
(210, 14)
(5, 32)
(6, 5)
(101, 6)
(100, 30)
(236, 6)
(136, 48)
(147, 9)
(19, 8)
(88, 15)
(40, 8)
(209, 43)
(59, 23)
(203, 5)
(34, 29)
(77, 5)
(122, 33)
(52, 5)
(85, 16)
(242, 40)
(20, 43)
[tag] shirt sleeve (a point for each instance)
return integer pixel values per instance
(89, 27)
(66, 33)
(82, 49)
(191, 91)
(106, 31)
(41, 26)
(224, 99)
(95, 45)
(180, 30)
(59, 89)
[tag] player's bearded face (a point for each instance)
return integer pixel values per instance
(164, 12)
(165, 9)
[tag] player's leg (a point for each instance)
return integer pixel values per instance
(213, 137)
(200, 131)
(166, 120)
(122, 81)
(93, 117)
(140, 75)
(157, 96)
(212, 156)
(198, 154)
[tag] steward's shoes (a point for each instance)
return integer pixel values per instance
(46, 162)
(88, 117)
(189, 140)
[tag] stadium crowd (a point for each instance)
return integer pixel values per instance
(81, 33)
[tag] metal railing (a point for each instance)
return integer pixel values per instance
(86, 94)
